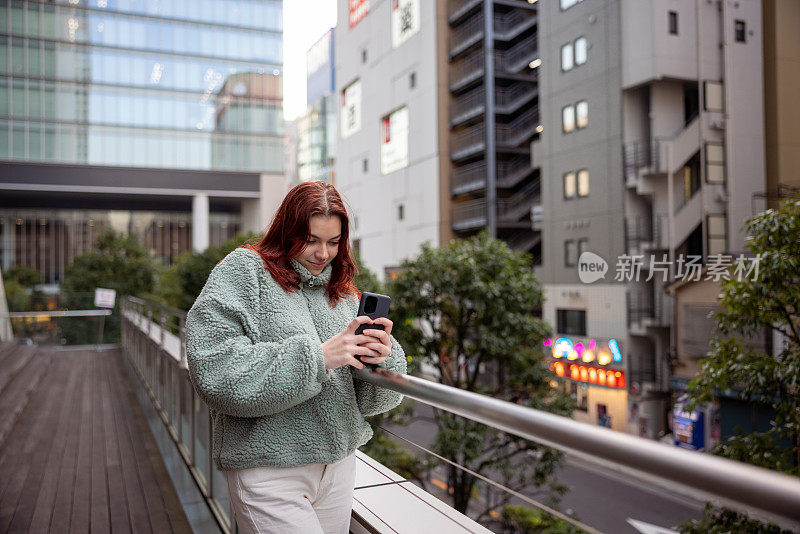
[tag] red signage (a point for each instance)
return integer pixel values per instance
(586, 373)
(358, 10)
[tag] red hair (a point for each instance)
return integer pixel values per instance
(287, 235)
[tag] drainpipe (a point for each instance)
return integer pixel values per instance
(491, 156)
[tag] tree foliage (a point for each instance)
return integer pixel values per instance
(750, 307)
(181, 283)
(521, 519)
(119, 262)
(723, 521)
(468, 311)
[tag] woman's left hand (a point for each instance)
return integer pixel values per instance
(383, 343)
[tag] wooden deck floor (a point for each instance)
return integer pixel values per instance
(76, 454)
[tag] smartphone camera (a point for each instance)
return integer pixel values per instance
(370, 305)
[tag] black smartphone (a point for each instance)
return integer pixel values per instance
(373, 305)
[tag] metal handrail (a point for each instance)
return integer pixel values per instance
(773, 495)
(776, 496)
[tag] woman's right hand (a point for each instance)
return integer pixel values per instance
(342, 349)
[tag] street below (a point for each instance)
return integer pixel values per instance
(603, 499)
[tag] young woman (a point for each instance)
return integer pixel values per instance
(271, 347)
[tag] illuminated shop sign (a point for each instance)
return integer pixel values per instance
(601, 352)
(591, 375)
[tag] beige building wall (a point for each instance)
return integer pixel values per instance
(443, 123)
(616, 401)
(781, 89)
(702, 293)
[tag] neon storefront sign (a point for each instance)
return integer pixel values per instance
(587, 373)
(591, 351)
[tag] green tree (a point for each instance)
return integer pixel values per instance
(524, 520)
(119, 262)
(181, 283)
(469, 310)
(18, 282)
(381, 447)
(25, 276)
(766, 303)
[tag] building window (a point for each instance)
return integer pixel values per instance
(576, 184)
(357, 246)
(715, 163)
(363, 55)
(717, 228)
(583, 246)
(566, 4)
(568, 118)
(581, 50)
(582, 114)
(365, 165)
(570, 253)
(673, 23)
(400, 214)
(573, 54)
(713, 97)
(569, 185)
(583, 183)
(571, 322)
(412, 80)
(567, 57)
(739, 31)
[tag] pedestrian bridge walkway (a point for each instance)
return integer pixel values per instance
(76, 454)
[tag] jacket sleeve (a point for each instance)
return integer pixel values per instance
(232, 373)
(372, 399)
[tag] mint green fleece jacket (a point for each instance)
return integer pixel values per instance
(255, 357)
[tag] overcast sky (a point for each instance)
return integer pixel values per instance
(304, 22)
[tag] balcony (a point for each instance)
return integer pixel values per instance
(524, 241)
(641, 158)
(518, 205)
(506, 27)
(645, 234)
(511, 171)
(511, 24)
(648, 307)
(457, 9)
(467, 106)
(466, 71)
(516, 58)
(468, 178)
(472, 177)
(465, 35)
(520, 130)
(469, 215)
(467, 142)
(510, 99)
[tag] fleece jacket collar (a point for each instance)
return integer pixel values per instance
(320, 280)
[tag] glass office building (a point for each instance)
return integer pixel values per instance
(157, 117)
(190, 84)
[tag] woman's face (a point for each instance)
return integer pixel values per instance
(322, 244)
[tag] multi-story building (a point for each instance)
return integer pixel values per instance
(317, 127)
(160, 118)
(437, 108)
(653, 148)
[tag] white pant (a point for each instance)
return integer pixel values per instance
(308, 499)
